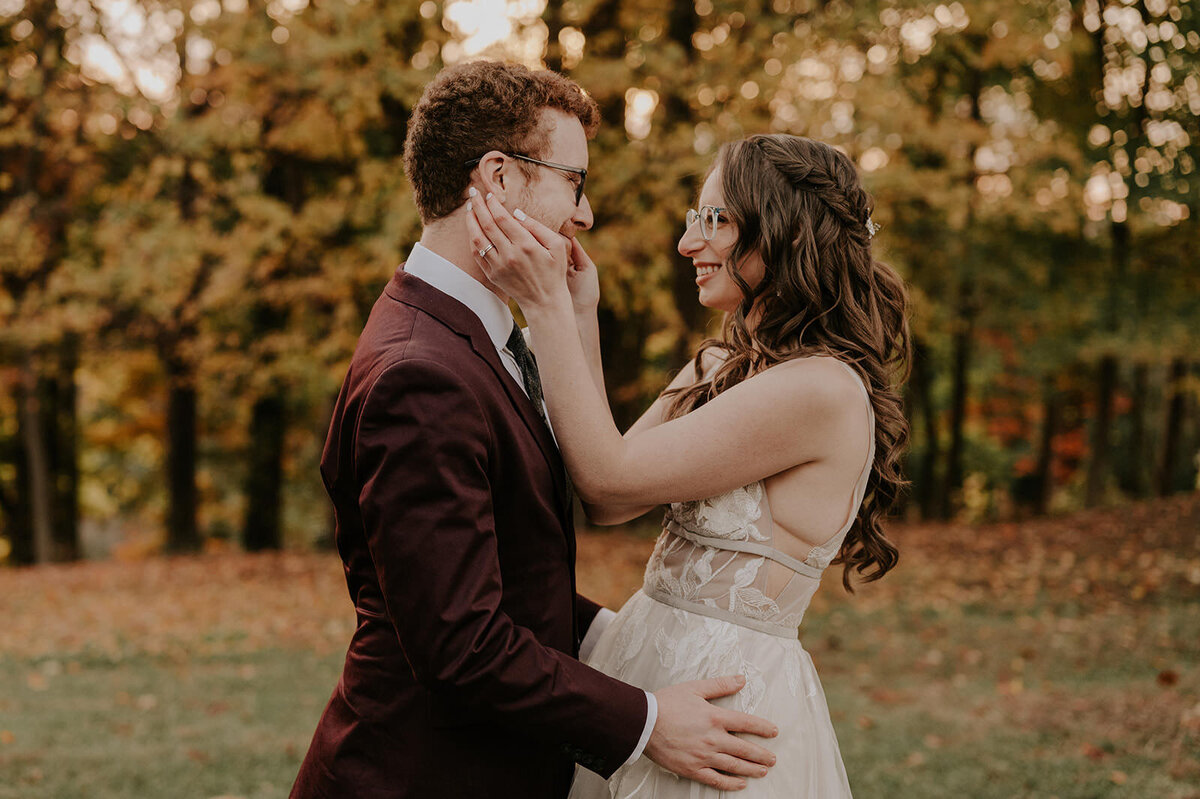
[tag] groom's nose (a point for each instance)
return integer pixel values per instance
(582, 218)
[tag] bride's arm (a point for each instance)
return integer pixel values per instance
(747, 433)
(652, 417)
(583, 284)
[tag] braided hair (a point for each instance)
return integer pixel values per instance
(799, 204)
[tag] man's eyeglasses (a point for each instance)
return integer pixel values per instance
(709, 216)
(574, 170)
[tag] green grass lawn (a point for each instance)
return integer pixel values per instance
(1053, 659)
(156, 726)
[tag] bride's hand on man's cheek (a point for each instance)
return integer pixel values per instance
(521, 256)
(583, 280)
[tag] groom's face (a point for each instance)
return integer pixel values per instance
(549, 196)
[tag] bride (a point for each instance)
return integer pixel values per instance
(777, 448)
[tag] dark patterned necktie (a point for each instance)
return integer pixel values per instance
(529, 371)
(533, 382)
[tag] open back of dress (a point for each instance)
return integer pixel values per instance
(715, 555)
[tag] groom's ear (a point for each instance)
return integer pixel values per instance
(493, 174)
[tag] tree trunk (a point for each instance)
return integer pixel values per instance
(952, 478)
(906, 498)
(63, 430)
(966, 303)
(1106, 386)
(262, 528)
(605, 43)
(682, 23)
(182, 532)
(19, 524)
(1045, 461)
(1136, 476)
(553, 17)
(621, 341)
(1191, 412)
(1173, 427)
(921, 382)
(38, 461)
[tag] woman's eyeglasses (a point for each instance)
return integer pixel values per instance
(708, 216)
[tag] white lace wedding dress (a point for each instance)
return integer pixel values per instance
(718, 599)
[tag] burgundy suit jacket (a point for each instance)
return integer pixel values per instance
(453, 524)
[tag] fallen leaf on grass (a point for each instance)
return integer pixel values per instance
(1119, 777)
(1092, 752)
(6, 737)
(1011, 687)
(885, 696)
(1168, 678)
(915, 759)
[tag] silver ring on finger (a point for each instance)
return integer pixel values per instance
(483, 253)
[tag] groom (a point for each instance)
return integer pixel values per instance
(453, 510)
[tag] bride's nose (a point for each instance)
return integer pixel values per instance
(691, 242)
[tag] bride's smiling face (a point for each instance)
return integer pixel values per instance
(716, 286)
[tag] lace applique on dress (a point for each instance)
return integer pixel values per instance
(632, 635)
(730, 515)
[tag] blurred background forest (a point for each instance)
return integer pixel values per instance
(200, 200)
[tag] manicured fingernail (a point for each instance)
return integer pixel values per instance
(489, 196)
(762, 772)
(473, 191)
(519, 214)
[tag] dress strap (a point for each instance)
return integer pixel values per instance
(701, 609)
(752, 547)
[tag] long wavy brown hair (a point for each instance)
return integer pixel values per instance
(800, 205)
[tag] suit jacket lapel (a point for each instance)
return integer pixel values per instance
(410, 290)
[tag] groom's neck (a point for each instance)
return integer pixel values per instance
(448, 238)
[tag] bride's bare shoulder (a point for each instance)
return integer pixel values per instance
(822, 377)
(710, 360)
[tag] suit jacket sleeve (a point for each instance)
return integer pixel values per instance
(585, 613)
(421, 465)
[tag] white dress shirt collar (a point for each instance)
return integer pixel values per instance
(447, 278)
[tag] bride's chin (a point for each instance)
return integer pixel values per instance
(714, 303)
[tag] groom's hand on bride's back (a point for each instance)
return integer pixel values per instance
(694, 738)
